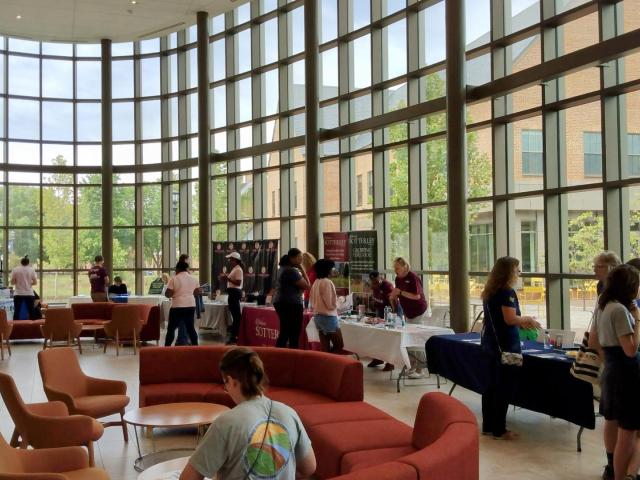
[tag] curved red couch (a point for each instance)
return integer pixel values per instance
(352, 439)
(97, 313)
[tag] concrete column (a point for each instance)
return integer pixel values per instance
(311, 136)
(457, 166)
(204, 190)
(107, 159)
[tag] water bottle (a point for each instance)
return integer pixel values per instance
(547, 340)
(399, 321)
(387, 311)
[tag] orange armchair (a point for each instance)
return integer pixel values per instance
(47, 425)
(63, 380)
(5, 331)
(65, 463)
(125, 325)
(59, 326)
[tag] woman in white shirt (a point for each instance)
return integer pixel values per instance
(181, 290)
(235, 279)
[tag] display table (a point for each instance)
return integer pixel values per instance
(170, 415)
(388, 344)
(217, 317)
(260, 327)
(133, 299)
(545, 384)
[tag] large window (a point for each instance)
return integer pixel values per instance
(531, 152)
(579, 128)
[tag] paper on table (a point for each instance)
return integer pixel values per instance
(530, 350)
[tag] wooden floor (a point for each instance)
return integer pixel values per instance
(546, 449)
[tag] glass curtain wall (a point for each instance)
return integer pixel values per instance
(553, 169)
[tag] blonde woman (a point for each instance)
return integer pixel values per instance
(308, 264)
(603, 263)
(410, 294)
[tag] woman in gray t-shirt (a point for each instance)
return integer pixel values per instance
(614, 332)
(258, 438)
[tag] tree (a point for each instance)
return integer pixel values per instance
(478, 167)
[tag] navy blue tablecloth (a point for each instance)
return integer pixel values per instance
(544, 384)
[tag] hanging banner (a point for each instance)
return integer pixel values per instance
(260, 261)
(363, 259)
(336, 248)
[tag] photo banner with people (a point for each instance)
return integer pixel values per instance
(355, 255)
(260, 261)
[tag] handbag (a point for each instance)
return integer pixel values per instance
(506, 358)
(587, 364)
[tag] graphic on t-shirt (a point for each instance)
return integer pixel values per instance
(271, 457)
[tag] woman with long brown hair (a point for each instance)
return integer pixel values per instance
(502, 317)
(614, 333)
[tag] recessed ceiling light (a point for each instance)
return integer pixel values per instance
(18, 17)
(133, 2)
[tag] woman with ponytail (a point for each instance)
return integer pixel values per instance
(278, 446)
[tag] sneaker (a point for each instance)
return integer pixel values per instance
(389, 367)
(375, 363)
(607, 474)
(415, 375)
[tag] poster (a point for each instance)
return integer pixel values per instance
(260, 261)
(355, 254)
(336, 248)
(363, 259)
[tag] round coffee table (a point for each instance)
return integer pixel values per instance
(170, 415)
(169, 470)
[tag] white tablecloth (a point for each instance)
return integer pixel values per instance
(6, 304)
(385, 344)
(148, 299)
(217, 316)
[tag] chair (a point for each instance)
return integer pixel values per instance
(59, 326)
(476, 326)
(63, 380)
(438, 318)
(65, 463)
(125, 324)
(47, 425)
(5, 332)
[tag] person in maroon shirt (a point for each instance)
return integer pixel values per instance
(410, 293)
(381, 289)
(99, 280)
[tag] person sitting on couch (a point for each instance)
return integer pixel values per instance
(278, 446)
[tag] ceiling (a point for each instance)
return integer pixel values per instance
(93, 20)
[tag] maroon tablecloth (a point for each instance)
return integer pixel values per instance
(260, 327)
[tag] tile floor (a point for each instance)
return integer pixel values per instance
(546, 449)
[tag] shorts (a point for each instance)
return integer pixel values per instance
(326, 323)
(620, 394)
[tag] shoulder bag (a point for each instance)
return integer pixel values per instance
(506, 358)
(587, 364)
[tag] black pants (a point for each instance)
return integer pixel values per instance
(235, 295)
(18, 301)
(290, 315)
(497, 397)
(181, 316)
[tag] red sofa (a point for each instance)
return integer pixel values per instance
(97, 313)
(296, 377)
(352, 439)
